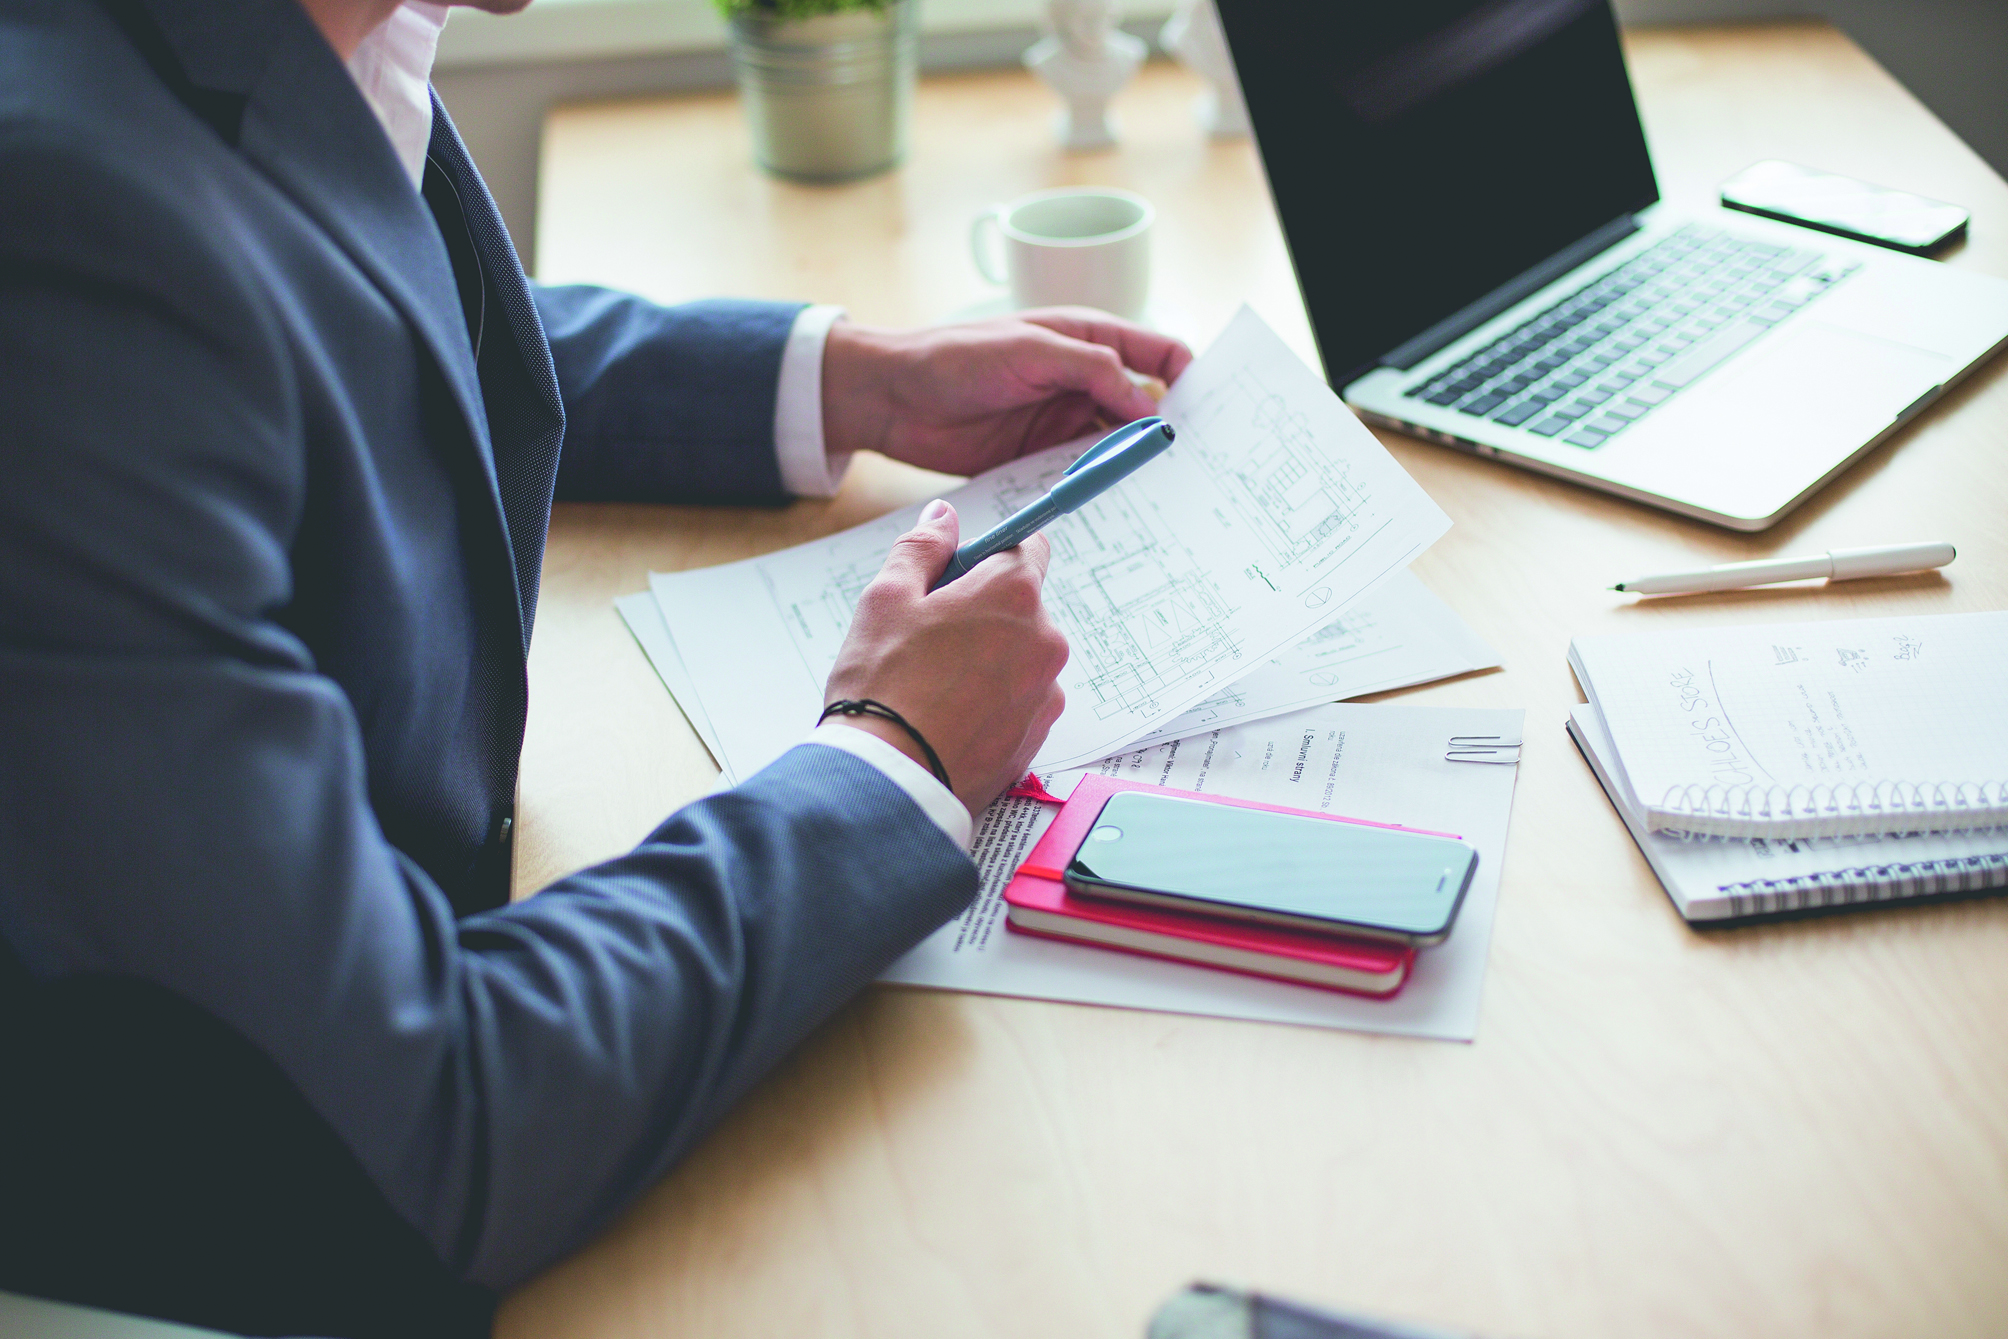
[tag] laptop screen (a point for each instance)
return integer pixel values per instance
(1424, 152)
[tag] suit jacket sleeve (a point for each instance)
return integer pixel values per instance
(185, 799)
(666, 404)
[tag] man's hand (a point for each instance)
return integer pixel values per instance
(962, 398)
(973, 666)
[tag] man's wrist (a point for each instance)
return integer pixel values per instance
(857, 412)
(895, 759)
(880, 728)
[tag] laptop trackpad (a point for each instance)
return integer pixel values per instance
(1754, 433)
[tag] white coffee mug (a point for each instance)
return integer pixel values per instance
(1077, 246)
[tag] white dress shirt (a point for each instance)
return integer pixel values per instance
(393, 69)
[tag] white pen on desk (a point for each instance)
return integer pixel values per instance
(1838, 565)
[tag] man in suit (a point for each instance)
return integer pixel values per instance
(281, 421)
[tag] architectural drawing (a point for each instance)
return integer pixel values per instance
(1273, 512)
(1263, 457)
(818, 617)
(1142, 612)
(1320, 661)
(1141, 617)
(1398, 635)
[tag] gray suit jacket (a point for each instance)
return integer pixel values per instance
(279, 439)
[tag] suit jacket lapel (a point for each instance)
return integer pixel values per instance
(306, 126)
(526, 413)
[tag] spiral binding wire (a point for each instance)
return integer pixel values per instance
(1839, 810)
(1868, 883)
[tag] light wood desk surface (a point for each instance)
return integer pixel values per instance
(1792, 1130)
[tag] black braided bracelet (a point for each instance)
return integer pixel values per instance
(865, 706)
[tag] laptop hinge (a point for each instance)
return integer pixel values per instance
(1454, 327)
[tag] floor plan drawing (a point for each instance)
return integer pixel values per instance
(1265, 460)
(1142, 612)
(1344, 638)
(1319, 660)
(818, 618)
(1399, 635)
(1274, 511)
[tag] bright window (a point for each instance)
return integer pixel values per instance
(576, 29)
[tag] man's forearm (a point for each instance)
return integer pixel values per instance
(667, 404)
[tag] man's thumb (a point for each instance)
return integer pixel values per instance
(921, 554)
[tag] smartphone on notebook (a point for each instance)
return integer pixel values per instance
(1273, 868)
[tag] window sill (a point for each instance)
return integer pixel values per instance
(570, 30)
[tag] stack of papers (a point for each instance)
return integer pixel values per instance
(1397, 637)
(1257, 567)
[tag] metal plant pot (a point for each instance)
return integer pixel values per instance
(828, 98)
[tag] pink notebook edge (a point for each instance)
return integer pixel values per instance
(1400, 961)
(1407, 969)
(1034, 892)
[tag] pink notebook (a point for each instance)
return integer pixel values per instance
(1040, 904)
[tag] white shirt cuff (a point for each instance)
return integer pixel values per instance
(807, 467)
(937, 801)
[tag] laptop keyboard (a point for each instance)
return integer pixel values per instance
(1614, 350)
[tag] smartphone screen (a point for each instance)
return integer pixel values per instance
(1844, 206)
(1280, 868)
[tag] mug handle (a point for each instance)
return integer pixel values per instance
(984, 255)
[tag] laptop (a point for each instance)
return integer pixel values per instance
(1476, 229)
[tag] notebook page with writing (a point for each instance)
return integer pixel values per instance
(1722, 879)
(1810, 729)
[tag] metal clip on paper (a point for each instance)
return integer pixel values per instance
(1482, 748)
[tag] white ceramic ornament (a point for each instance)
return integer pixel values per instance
(1086, 61)
(1193, 34)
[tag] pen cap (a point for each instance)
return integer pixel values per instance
(1111, 460)
(1890, 558)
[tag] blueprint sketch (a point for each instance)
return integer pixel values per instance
(1142, 611)
(1264, 460)
(1399, 635)
(1274, 510)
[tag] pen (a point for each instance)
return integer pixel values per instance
(1838, 565)
(1100, 468)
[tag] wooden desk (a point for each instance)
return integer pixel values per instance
(1793, 1130)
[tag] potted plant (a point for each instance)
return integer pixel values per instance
(828, 84)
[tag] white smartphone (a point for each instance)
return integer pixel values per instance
(1844, 207)
(1278, 869)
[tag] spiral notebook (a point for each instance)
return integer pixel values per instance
(1724, 879)
(1805, 730)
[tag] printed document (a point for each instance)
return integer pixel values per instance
(1273, 512)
